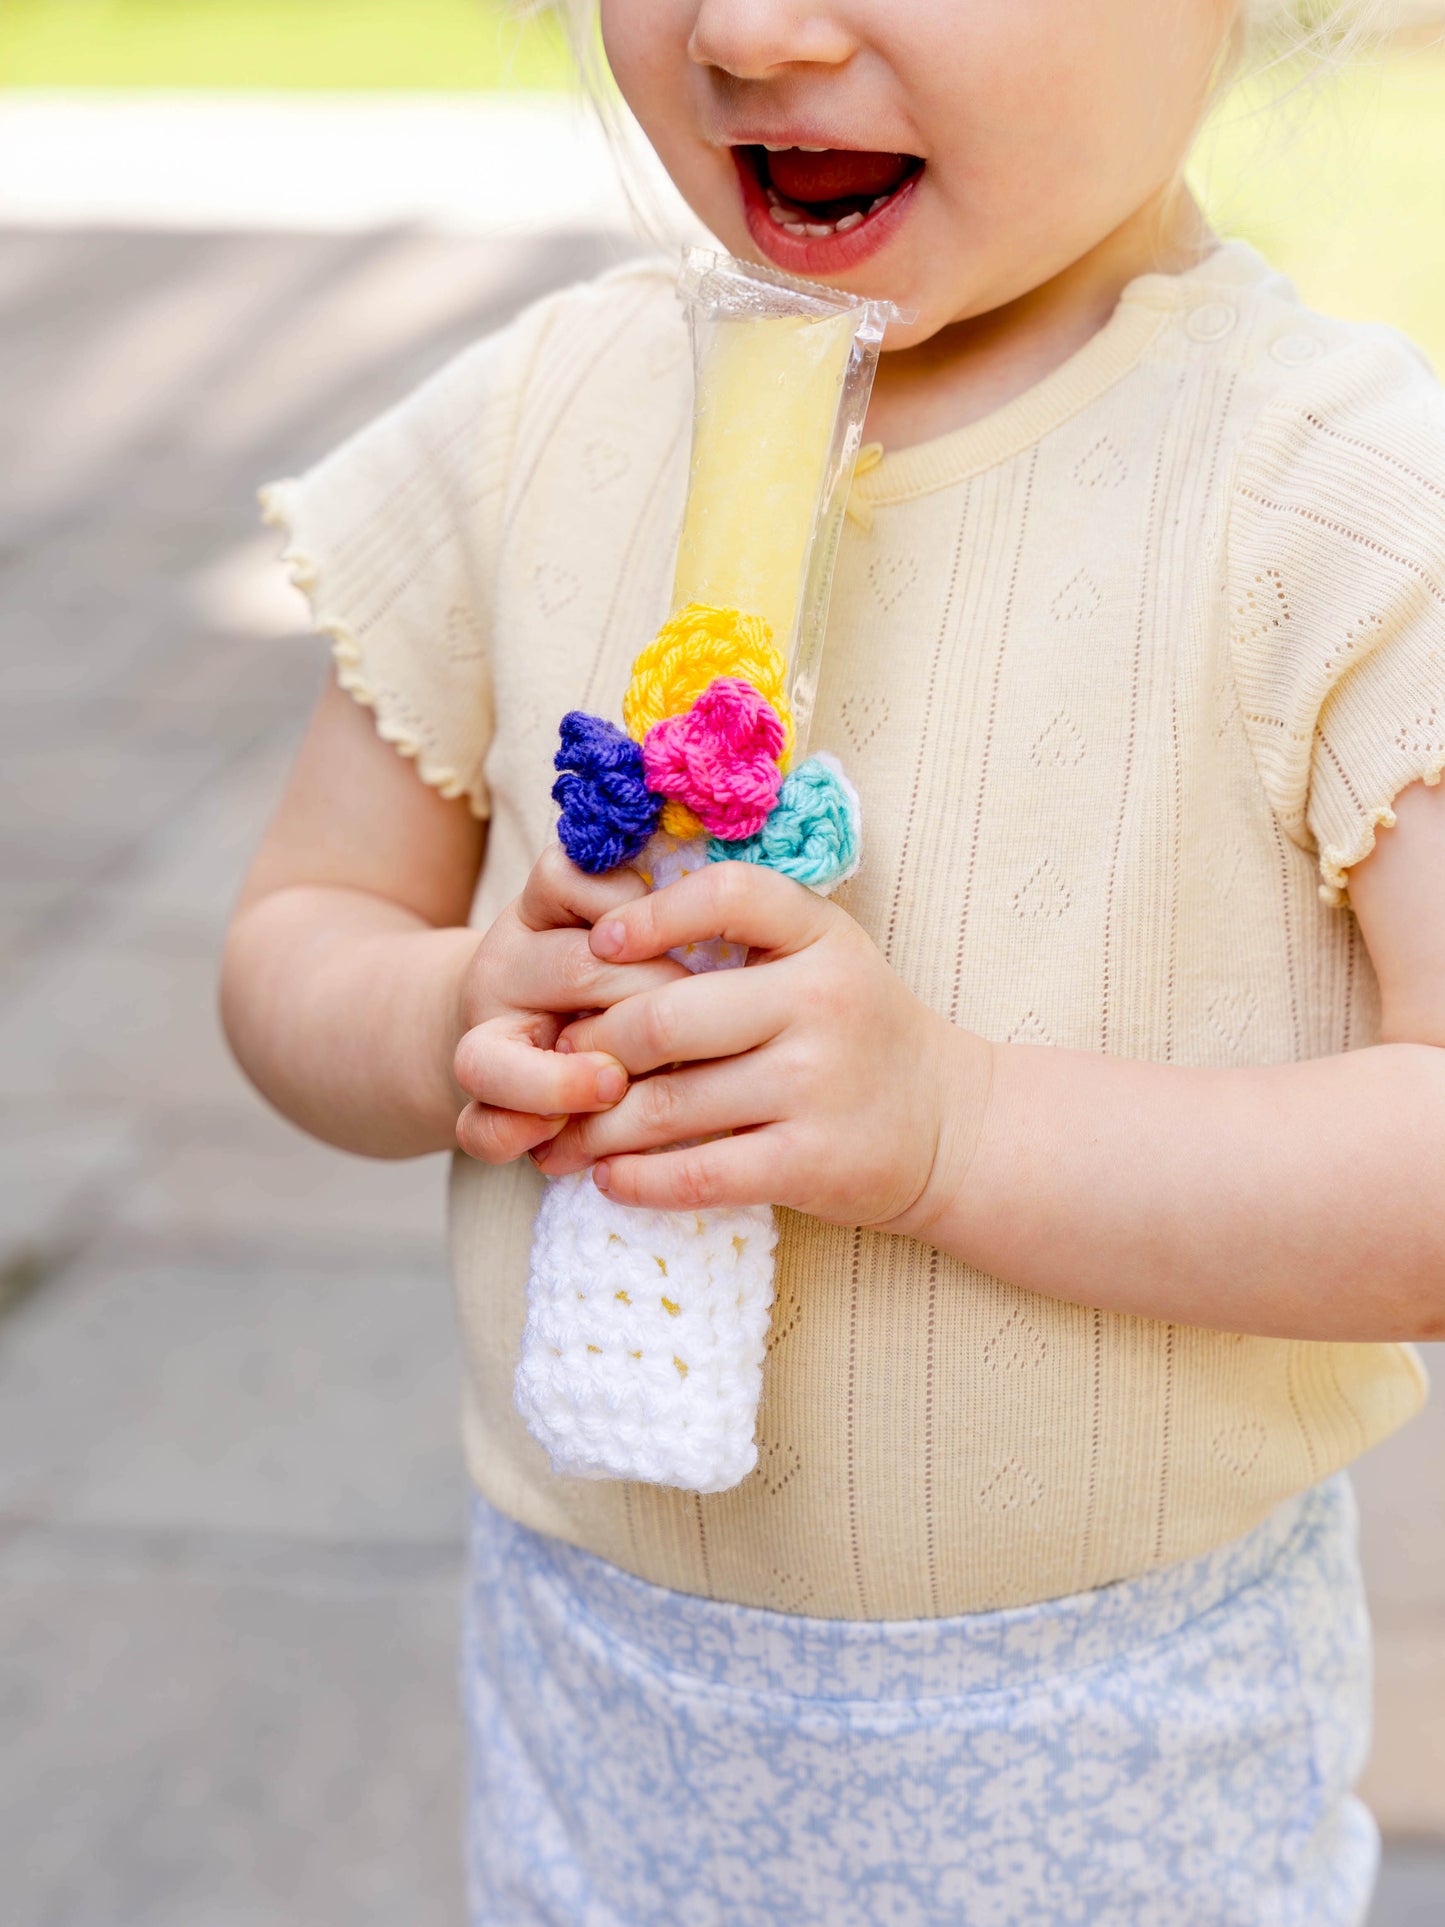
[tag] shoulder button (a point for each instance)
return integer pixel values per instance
(1291, 350)
(1212, 322)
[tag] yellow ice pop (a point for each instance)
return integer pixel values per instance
(767, 402)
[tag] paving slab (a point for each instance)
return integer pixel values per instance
(267, 1398)
(69, 803)
(256, 1187)
(59, 1181)
(131, 1022)
(1401, 1488)
(1411, 1892)
(182, 884)
(29, 906)
(191, 1751)
(231, 1493)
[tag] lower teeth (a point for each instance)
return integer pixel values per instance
(789, 218)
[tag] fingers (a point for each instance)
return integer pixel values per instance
(558, 895)
(741, 902)
(731, 1170)
(496, 1137)
(666, 1109)
(717, 1015)
(556, 970)
(508, 1064)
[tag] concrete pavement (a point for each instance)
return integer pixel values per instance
(231, 1505)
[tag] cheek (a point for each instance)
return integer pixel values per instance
(1070, 106)
(645, 42)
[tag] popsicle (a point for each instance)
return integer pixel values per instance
(767, 402)
(643, 1349)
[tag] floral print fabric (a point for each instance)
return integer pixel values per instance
(1173, 1751)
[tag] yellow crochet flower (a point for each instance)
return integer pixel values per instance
(689, 651)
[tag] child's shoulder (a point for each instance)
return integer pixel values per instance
(640, 293)
(396, 536)
(1302, 378)
(1335, 569)
(610, 322)
(619, 326)
(602, 335)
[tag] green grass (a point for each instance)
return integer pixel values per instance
(1343, 188)
(330, 44)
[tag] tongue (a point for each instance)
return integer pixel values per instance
(837, 174)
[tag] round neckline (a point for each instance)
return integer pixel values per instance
(1145, 306)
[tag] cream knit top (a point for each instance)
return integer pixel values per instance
(1126, 674)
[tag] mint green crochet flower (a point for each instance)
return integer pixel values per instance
(814, 832)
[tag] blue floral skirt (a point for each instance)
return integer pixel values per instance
(1174, 1749)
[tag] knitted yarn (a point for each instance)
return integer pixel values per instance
(642, 1355)
(693, 649)
(814, 834)
(608, 812)
(720, 759)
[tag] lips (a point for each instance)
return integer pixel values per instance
(821, 210)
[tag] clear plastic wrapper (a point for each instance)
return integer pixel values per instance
(643, 1350)
(783, 371)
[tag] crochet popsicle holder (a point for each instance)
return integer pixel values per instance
(643, 1350)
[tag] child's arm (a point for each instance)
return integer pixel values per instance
(1303, 1200)
(358, 1001)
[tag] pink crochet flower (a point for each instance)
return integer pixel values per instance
(720, 758)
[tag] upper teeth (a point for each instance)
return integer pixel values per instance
(790, 147)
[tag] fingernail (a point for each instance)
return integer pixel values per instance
(564, 1047)
(602, 1176)
(608, 939)
(611, 1083)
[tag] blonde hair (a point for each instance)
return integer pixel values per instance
(1306, 37)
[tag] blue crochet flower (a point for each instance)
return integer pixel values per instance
(608, 812)
(814, 833)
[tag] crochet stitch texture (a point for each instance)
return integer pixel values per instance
(608, 812)
(815, 833)
(642, 1353)
(642, 1356)
(689, 651)
(720, 759)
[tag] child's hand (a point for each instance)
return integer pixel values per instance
(854, 1101)
(530, 973)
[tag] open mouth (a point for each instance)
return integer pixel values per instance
(823, 209)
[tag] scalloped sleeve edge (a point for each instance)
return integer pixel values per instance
(1337, 860)
(281, 508)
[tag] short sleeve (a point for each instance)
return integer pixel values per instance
(393, 539)
(1336, 562)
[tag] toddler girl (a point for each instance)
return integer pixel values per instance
(1107, 1131)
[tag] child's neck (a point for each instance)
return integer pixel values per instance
(972, 368)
